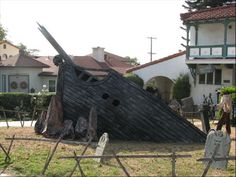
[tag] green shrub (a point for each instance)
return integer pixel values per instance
(134, 78)
(23, 101)
(181, 87)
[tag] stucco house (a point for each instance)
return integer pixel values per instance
(22, 73)
(210, 49)
(162, 73)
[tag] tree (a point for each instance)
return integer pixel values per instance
(181, 87)
(203, 4)
(134, 78)
(26, 51)
(3, 33)
(132, 61)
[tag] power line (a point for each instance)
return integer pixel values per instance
(151, 53)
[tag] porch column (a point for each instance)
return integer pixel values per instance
(196, 35)
(187, 48)
(225, 39)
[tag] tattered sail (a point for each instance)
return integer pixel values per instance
(124, 110)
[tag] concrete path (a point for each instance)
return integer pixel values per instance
(16, 124)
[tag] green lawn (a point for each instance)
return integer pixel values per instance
(28, 158)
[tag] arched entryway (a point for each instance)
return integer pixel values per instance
(164, 86)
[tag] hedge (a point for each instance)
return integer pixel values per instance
(23, 101)
(134, 78)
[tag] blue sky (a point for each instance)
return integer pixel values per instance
(120, 26)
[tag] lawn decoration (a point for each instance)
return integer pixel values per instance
(123, 109)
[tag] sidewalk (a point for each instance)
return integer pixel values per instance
(16, 124)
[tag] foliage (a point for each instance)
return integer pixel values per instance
(132, 61)
(152, 87)
(181, 87)
(26, 51)
(134, 78)
(23, 101)
(203, 4)
(3, 33)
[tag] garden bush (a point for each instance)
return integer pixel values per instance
(134, 78)
(24, 101)
(181, 87)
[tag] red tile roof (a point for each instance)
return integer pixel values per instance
(222, 12)
(112, 61)
(4, 41)
(22, 60)
(156, 61)
(52, 70)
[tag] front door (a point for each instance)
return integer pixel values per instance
(19, 83)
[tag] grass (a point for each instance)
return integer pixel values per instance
(28, 158)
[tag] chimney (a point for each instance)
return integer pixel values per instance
(98, 54)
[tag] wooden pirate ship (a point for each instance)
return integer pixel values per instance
(124, 110)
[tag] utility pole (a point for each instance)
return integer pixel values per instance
(151, 53)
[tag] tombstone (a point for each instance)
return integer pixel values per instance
(215, 137)
(101, 146)
(81, 127)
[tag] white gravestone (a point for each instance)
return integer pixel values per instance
(215, 137)
(101, 146)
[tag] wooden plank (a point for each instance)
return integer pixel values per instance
(5, 152)
(5, 116)
(78, 164)
(125, 156)
(217, 158)
(50, 140)
(210, 161)
(121, 165)
(85, 149)
(9, 148)
(173, 160)
(49, 158)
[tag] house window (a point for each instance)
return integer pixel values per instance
(209, 78)
(52, 85)
(4, 56)
(201, 78)
(4, 46)
(218, 76)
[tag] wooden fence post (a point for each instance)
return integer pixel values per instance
(121, 165)
(173, 160)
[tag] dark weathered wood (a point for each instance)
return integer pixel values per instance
(210, 161)
(50, 140)
(217, 158)
(78, 164)
(125, 156)
(9, 148)
(92, 126)
(78, 160)
(49, 158)
(124, 110)
(5, 152)
(173, 160)
(121, 165)
(4, 115)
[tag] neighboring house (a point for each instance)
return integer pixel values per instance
(7, 50)
(22, 73)
(210, 49)
(162, 73)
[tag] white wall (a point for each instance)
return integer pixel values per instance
(170, 68)
(34, 80)
(211, 34)
(10, 50)
(231, 33)
(200, 89)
